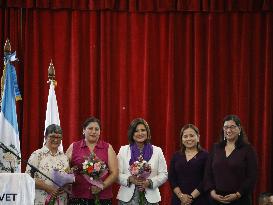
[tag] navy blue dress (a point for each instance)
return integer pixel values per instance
(188, 175)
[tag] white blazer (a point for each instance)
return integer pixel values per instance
(158, 175)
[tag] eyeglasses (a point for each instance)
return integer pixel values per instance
(55, 137)
(232, 127)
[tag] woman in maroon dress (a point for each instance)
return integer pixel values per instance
(231, 170)
(187, 169)
(84, 193)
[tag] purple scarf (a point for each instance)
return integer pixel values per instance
(147, 152)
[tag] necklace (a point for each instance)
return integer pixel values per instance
(191, 154)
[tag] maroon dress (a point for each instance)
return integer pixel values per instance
(235, 173)
(188, 175)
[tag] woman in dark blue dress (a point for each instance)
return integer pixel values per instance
(187, 169)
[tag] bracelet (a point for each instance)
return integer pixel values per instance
(179, 195)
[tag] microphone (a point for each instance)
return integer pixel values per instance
(33, 168)
(4, 147)
(32, 171)
(7, 156)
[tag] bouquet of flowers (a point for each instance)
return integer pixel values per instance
(141, 170)
(50, 200)
(94, 169)
(61, 179)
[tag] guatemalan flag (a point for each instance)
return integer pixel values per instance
(9, 134)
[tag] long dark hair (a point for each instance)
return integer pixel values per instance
(132, 128)
(242, 138)
(196, 130)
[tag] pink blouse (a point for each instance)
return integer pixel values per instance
(81, 188)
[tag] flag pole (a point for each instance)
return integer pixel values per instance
(51, 74)
(52, 112)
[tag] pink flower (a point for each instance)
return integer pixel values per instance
(134, 171)
(97, 166)
(140, 168)
(94, 167)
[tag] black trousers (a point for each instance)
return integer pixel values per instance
(79, 201)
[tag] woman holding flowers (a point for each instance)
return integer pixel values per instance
(47, 159)
(187, 169)
(93, 184)
(141, 155)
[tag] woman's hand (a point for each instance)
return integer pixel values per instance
(218, 197)
(185, 199)
(60, 191)
(95, 190)
(141, 184)
(133, 180)
(52, 190)
(232, 197)
(146, 184)
(137, 182)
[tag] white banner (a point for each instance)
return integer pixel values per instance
(16, 189)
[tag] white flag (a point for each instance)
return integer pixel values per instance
(52, 112)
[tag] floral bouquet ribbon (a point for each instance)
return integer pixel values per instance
(141, 170)
(61, 179)
(94, 169)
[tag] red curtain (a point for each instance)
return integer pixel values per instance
(170, 68)
(145, 5)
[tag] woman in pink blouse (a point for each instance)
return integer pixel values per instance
(83, 192)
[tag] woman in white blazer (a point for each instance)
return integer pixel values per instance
(139, 144)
